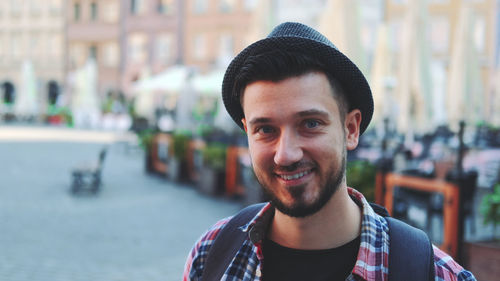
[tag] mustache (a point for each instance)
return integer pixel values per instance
(295, 166)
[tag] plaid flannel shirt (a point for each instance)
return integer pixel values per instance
(371, 264)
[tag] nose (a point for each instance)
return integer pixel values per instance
(288, 149)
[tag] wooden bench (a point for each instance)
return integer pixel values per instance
(88, 177)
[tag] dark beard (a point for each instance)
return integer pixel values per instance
(300, 209)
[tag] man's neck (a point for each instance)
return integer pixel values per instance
(337, 223)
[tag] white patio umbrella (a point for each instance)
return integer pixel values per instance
(209, 84)
(26, 104)
(414, 80)
(85, 103)
(144, 100)
(172, 80)
(465, 96)
(340, 22)
(382, 78)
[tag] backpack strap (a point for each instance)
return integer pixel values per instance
(404, 239)
(227, 243)
(411, 256)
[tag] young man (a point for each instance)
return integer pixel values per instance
(303, 104)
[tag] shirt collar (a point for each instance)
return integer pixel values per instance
(374, 237)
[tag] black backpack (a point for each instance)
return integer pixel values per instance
(411, 257)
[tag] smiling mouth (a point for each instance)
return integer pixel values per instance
(294, 176)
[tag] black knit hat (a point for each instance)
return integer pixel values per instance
(297, 37)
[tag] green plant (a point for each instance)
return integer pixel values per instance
(361, 175)
(62, 111)
(214, 156)
(490, 208)
(146, 138)
(180, 144)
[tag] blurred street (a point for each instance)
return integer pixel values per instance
(138, 227)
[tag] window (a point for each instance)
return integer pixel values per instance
(111, 54)
(136, 7)
(200, 6)
(93, 52)
(55, 7)
(166, 7)
(55, 44)
(137, 47)
(249, 5)
(133, 7)
(76, 11)
(163, 48)
(226, 6)
(110, 11)
(395, 34)
(226, 45)
(35, 43)
(16, 6)
(439, 33)
(200, 46)
(3, 52)
(76, 55)
(93, 11)
(35, 7)
(479, 34)
(16, 45)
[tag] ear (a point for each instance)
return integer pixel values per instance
(244, 122)
(352, 123)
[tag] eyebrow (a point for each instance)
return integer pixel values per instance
(305, 113)
(313, 112)
(259, 120)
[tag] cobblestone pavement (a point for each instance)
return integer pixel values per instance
(139, 227)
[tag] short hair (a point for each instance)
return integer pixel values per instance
(278, 65)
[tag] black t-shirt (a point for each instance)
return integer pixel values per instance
(282, 263)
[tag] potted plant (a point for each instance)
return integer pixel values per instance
(483, 257)
(176, 168)
(212, 174)
(361, 175)
(490, 209)
(146, 142)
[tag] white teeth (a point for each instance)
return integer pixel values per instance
(294, 177)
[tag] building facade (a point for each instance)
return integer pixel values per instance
(93, 30)
(214, 31)
(443, 25)
(31, 38)
(151, 39)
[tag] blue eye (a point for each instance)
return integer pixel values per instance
(310, 124)
(266, 130)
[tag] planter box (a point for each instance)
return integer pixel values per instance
(211, 181)
(148, 161)
(253, 191)
(483, 260)
(173, 169)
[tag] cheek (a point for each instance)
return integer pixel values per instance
(261, 155)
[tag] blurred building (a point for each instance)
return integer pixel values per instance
(152, 37)
(31, 33)
(93, 31)
(124, 37)
(215, 31)
(442, 26)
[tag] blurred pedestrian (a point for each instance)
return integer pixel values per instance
(303, 104)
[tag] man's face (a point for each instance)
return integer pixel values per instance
(297, 140)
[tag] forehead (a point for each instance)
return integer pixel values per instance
(310, 91)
